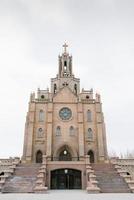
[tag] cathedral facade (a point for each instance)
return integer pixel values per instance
(65, 125)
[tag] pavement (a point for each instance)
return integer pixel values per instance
(68, 195)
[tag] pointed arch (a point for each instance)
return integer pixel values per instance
(91, 156)
(71, 131)
(58, 131)
(41, 116)
(65, 155)
(39, 156)
(64, 146)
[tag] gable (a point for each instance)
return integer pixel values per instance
(65, 95)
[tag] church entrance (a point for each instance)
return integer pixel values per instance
(66, 179)
(91, 154)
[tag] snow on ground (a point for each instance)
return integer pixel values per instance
(67, 195)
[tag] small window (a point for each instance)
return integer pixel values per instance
(65, 63)
(58, 131)
(75, 88)
(87, 97)
(71, 131)
(90, 134)
(55, 88)
(40, 132)
(41, 116)
(89, 116)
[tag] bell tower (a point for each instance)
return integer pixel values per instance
(65, 77)
(65, 63)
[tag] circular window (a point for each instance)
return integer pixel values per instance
(65, 113)
(42, 96)
(40, 129)
(87, 97)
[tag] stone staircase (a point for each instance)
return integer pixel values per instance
(109, 181)
(23, 180)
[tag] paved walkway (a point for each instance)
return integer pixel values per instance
(67, 195)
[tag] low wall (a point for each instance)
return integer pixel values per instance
(7, 163)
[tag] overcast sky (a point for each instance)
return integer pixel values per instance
(100, 35)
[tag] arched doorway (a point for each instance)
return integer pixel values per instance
(65, 155)
(39, 157)
(91, 154)
(66, 179)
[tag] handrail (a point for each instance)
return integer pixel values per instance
(64, 158)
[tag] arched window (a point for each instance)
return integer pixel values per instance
(75, 88)
(41, 115)
(91, 154)
(40, 132)
(39, 157)
(90, 134)
(71, 131)
(55, 88)
(89, 116)
(58, 131)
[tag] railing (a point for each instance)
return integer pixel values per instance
(64, 158)
(7, 163)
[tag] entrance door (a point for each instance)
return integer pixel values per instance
(66, 179)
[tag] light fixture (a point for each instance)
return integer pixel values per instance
(65, 152)
(66, 171)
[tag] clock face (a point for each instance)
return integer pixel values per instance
(65, 113)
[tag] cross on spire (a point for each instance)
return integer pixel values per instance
(65, 47)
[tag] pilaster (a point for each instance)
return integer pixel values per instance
(80, 130)
(49, 129)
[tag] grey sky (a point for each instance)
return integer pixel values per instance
(100, 34)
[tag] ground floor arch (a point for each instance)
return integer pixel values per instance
(66, 179)
(91, 154)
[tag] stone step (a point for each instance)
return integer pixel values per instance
(109, 181)
(23, 180)
(115, 191)
(21, 186)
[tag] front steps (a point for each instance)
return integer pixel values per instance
(23, 180)
(31, 178)
(109, 181)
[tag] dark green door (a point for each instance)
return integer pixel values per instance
(66, 179)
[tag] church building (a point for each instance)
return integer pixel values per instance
(65, 125)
